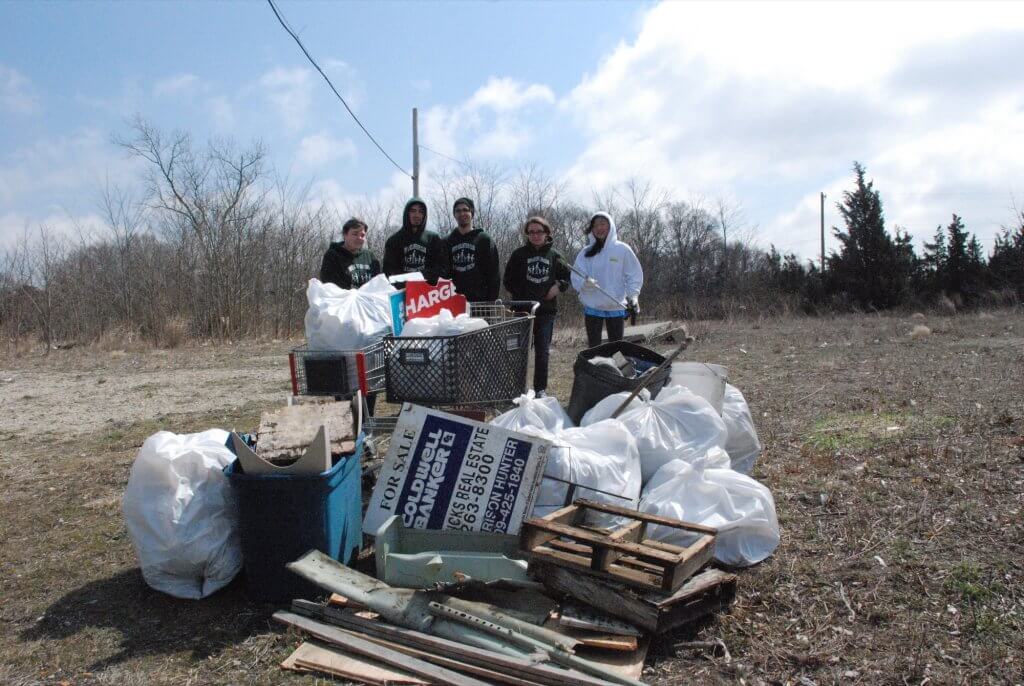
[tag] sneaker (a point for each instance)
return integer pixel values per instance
(540, 394)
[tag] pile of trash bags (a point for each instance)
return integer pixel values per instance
(673, 455)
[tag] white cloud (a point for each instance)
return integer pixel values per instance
(322, 148)
(37, 180)
(494, 122)
(182, 84)
(16, 93)
(290, 93)
(778, 99)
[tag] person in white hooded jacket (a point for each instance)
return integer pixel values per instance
(606, 264)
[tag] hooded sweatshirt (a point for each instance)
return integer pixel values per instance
(615, 269)
(475, 267)
(348, 269)
(531, 272)
(416, 251)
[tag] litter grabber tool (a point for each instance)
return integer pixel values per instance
(631, 305)
(651, 375)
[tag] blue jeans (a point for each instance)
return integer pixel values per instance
(543, 329)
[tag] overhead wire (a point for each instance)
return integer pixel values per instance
(312, 61)
(447, 157)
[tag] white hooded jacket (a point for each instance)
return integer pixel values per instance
(615, 269)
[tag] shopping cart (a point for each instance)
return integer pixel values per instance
(482, 368)
(337, 372)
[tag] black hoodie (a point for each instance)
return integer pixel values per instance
(476, 270)
(531, 272)
(347, 269)
(423, 251)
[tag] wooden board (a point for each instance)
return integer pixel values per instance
(286, 432)
(591, 639)
(319, 658)
(707, 592)
(361, 646)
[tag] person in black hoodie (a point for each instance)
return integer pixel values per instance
(347, 264)
(537, 271)
(476, 269)
(414, 249)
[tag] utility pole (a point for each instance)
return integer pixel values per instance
(416, 156)
(823, 232)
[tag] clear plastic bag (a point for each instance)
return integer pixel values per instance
(602, 456)
(707, 491)
(442, 324)
(181, 515)
(678, 424)
(539, 413)
(342, 319)
(742, 445)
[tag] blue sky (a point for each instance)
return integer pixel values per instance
(763, 105)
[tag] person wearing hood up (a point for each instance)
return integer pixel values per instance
(347, 264)
(608, 265)
(536, 271)
(476, 269)
(415, 249)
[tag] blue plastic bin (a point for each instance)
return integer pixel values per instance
(283, 516)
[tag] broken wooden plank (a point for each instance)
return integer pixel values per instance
(703, 594)
(311, 656)
(286, 432)
(361, 646)
(520, 667)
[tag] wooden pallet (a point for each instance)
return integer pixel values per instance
(625, 555)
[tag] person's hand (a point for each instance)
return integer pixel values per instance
(589, 284)
(634, 306)
(552, 292)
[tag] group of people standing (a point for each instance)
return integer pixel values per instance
(606, 273)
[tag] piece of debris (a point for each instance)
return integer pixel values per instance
(625, 555)
(286, 433)
(920, 331)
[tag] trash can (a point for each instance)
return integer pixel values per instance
(283, 516)
(593, 383)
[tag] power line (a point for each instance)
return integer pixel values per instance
(441, 154)
(309, 57)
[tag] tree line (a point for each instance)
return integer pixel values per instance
(214, 245)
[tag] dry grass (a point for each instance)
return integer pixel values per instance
(897, 468)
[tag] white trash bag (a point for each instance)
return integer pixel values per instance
(742, 445)
(181, 514)
(540, 413)
(678, 424)
(344, 319)
(602, 456)
(706, 491)
(444, 323)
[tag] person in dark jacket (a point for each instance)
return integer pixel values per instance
(476, 269)
(537, 271)
(348, 264)
(414, 249)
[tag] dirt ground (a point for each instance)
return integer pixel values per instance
(896, 463)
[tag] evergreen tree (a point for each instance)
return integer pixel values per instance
(954, 274)
(1006, 266)
(866, 270)
(935, 261)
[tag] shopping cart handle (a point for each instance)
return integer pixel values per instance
(521, 305)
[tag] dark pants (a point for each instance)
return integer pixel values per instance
(616, 325)
(543, 329)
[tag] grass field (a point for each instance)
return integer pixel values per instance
(897, 466)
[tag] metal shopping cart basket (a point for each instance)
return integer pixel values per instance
(477, 368)
(337, 372)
